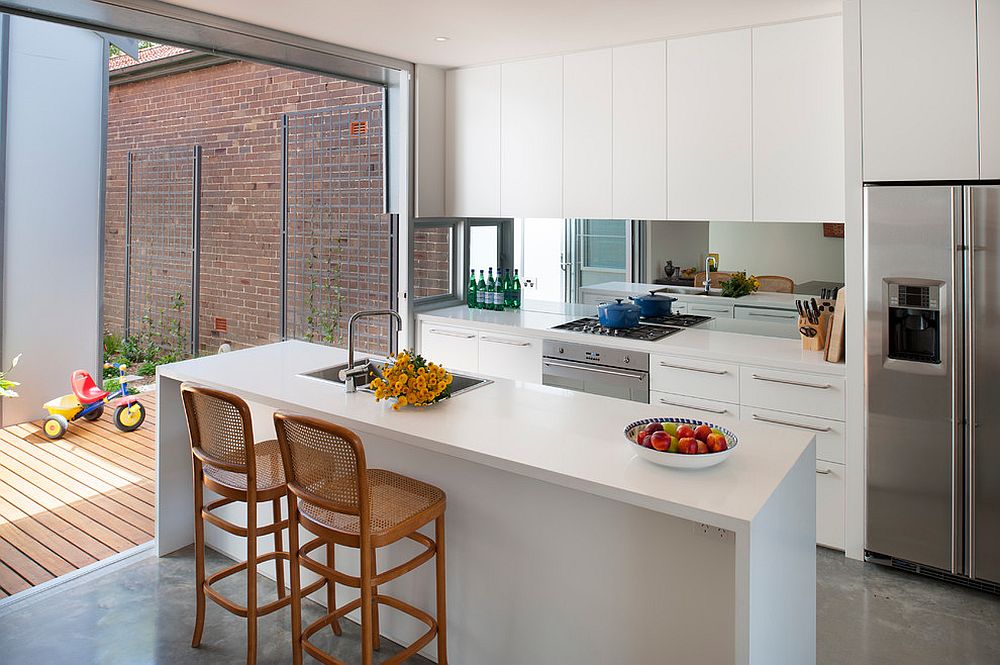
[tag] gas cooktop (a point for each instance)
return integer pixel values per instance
(679, 320)
(644, 331)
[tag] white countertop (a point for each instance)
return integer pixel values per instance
(567, 438)
(760, 299)
(726, 340)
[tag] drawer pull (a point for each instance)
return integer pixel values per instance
(693, 408)
(818, 386)
(772, 316)
(508, 342)
(788, 424)
(824, 472)
(449, 333)
(695, 369)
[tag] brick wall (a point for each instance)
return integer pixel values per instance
(233, 111)
(432, 247)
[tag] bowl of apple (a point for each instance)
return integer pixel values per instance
(682, 443)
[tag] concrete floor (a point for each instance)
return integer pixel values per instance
(143, 614)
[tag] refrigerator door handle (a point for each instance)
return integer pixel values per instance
(962, 206)
(969, 412)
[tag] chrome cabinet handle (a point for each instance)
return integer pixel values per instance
(694, 369)
(824, 472)
(771, 316)
(496, 340)
(774, 421)
(818, 386)
(694, 408)
(631, 375)
(449, 333)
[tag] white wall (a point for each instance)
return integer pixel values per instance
(798, 251)
(684, 243)
(54, 178)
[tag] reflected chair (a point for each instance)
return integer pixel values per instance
(718, 277)
(775, 284)
(338, 500)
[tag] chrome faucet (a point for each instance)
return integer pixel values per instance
(350, 374)
(708, 273)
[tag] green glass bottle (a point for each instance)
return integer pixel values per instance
(481, 292)
(499, 293)
(491, 290)
(508, 289)
(516, 291)
(470, 295)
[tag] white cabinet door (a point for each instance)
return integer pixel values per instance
(717, 311)
(830, 504)
(989, 89)
(685, 406)
(531, 138)
(587, 127)
(472, 142)
(919, 90)
(798, 121)
(455, 349)
(830, 435)
(764, 315)
(795, 392)
(510, 357)
(709, 172)
(639, 163)
(695, 378)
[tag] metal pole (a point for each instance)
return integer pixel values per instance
(283, 276)
(128, 241)
(195, 247)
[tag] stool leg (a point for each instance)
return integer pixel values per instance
(294, 572)
(367, 640)
(251, 579)
(331, 588)
(279, 565)
(199, 556)
(442, 642)
(376, 638)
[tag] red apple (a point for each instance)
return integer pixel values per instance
(702, 447)
(717, 442)
(654, 427)
(659, 440)
(688, 445)
(685, 432)
(640, 437)
(701, 432)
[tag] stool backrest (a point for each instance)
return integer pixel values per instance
(776, 283)
(220, 428)
(324, 464)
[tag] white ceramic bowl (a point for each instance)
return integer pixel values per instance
(679, 460)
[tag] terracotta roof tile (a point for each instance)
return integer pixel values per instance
(158, 52)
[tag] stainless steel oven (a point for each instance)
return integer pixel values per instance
(597, 370)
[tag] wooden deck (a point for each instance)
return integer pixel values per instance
(66, 504)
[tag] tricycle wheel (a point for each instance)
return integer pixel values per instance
(55, 426)
(128, 417)
(95, 414)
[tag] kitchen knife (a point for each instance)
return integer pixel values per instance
(798, 306)
(815, 309)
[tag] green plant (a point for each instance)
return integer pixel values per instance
(147, 369)
(739, 284)
(324, 300)
(173, 333)
(113, 384)
(6, 385)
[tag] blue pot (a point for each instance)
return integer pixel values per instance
(653, 304)
(618, 314)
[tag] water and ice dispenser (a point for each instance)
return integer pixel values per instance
(914, 322)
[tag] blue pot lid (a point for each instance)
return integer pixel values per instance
(653, 297)
(618, 306)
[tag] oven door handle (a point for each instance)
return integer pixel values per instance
(638, 376)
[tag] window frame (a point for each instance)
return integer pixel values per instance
(459, 258)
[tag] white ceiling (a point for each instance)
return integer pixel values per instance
(482, 31)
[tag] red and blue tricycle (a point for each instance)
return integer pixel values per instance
(87, 401)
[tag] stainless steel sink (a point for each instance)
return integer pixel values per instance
(688, 291)
(460, 383)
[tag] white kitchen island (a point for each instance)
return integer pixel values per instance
(562, 546)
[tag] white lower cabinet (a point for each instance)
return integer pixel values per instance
(764, 314)
(716, 311)
(454, 348)
(509, 357)
(684, 406)
(697, 378)
(796, 392)
(830, 504)
(830, 434)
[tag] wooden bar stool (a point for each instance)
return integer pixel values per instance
(230, 463)
(337, 499)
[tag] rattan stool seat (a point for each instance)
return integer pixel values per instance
(270, 470)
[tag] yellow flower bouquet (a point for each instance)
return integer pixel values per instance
(411, 380)
(740, 284)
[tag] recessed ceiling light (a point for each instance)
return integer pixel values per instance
(441, 39)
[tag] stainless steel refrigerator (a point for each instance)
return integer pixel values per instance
(933, 378)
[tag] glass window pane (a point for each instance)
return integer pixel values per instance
(432, 261)
(484, 247)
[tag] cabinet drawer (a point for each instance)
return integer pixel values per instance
(697, 378)
(830, 504)
(794, 392)
(720, 311)
(765, 315)
(684, 406)
(517, 358)
(454, 348)
(830, 437)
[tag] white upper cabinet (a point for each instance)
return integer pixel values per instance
(531, 138)
(587, 122)
(989, 88)
(798, 121)
(639, 164)
(472, 142)
(709, 172)
(919, 90)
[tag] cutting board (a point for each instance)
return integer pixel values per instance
(835, 344)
